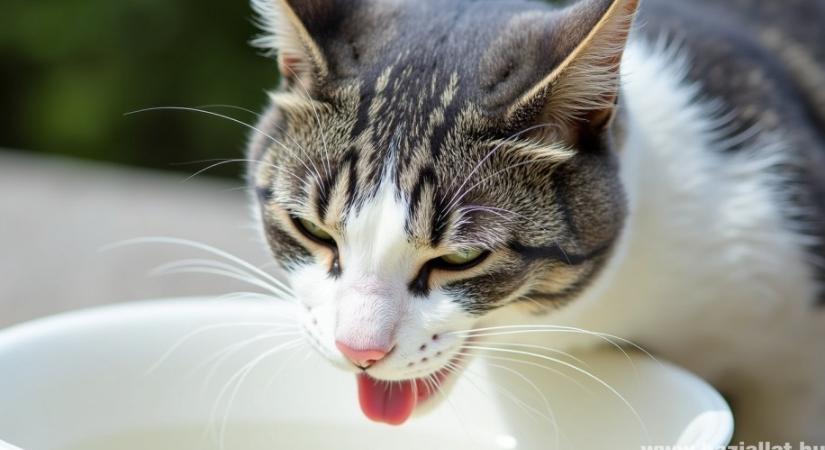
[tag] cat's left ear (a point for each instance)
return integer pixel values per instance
(289, 26)
(573, 85)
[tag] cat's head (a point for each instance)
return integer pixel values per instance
(427, 162)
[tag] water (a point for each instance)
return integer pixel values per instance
(298, 436)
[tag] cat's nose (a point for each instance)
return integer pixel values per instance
(361, 358)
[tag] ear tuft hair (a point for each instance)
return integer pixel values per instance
(580, 91)
(286, 34)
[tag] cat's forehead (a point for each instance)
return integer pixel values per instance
(449, 163)
(417, 136)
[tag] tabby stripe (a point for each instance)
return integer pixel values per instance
(351, 158)
(438, 224)
(325, 189)
(425, 176)
(363, 114)
(554, 252)
(440, 133)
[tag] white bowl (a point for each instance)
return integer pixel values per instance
(97, 380)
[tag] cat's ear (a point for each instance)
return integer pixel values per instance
(573, 85)
(288, 27)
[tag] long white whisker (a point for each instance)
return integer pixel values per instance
(538, 347)
(574, 368)
(238, 296)
(554, 421)
(200, 263)
(240, 375)
(509, 394)
(188, 336)
(532, 364)
(203, 247)
(227, 274)
(456, 371)
(222, 116)
(433, 383)
(518, 329)
(223, 162)
(284, 365)
(216, 360)
(221, 105)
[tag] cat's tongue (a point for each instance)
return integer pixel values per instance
(391, 403)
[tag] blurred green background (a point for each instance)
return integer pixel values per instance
(70, 69)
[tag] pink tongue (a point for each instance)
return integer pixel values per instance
(391, 403)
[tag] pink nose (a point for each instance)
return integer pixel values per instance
(361, 358)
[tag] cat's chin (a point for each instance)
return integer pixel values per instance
(394, 402)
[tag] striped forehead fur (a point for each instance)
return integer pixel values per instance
(466, 177)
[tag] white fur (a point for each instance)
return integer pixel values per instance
(707, 272)
(370, 306)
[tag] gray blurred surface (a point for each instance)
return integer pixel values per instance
(57, 214)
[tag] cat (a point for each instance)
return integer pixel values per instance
(655, 171)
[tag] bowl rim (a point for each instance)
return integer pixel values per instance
(711, 437)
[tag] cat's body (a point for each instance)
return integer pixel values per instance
(760, 339)
(689, 220)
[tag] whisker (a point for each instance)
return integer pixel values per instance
(452, 201)
(320, 127)
(210, 271)
(216, 360)
(433, 384)
(553, 420)
(509, 394)
(501, 213)
(240, 376)
(202, 247)
(183, 340)
(521, 329)
(574, 368)
(176, 268)
(456, 198)
(485, 179)
(538, 347)
(222, 162)
(222, 116)
(250, 296)
(455, 370)
(284, 365)
(533, 364)
(238, 108)
(200, 262)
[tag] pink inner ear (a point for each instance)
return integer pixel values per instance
(289, 65)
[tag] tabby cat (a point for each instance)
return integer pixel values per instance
(651, 171)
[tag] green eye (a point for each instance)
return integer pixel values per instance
(464, 257)
(314, 231)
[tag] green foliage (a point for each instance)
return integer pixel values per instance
(70, 69)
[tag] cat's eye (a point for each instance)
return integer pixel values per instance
(463, 259)
(313, 231)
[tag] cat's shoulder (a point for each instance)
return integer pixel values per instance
(762, 57)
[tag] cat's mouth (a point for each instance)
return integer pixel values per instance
(393, 402)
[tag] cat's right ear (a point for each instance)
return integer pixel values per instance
(288, 26)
